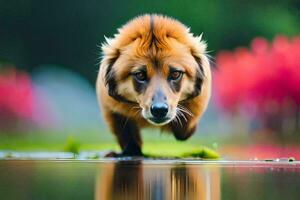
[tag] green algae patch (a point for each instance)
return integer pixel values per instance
(178, 150)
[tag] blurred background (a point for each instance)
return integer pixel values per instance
(49, 55)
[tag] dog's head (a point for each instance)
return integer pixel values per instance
(155, 62)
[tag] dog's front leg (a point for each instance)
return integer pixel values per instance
(128, 135)
(183, 126)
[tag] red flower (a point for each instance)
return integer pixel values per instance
(16, 95)
(264, 75)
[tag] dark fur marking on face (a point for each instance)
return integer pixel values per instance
(154, 40)
(155, 62)
(174, 84)
(198, 84)
(198, 80)
(111, 82)
(154, 44)
(140, 86)
(198, 60)
(199, 77)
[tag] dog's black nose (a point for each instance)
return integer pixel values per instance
(159, 110)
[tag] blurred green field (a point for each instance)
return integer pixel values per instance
(156, 145)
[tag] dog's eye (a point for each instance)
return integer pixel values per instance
(141, 76)
(175, 75)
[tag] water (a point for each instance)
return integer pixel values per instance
(148, 179)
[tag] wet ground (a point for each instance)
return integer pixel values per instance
(147, 179)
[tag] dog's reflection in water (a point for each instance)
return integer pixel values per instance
(135, 181)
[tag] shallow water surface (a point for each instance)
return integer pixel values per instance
(148, 179)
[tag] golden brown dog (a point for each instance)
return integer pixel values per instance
(154, 72)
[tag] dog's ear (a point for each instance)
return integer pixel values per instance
(199, 77)
(110, 54)
(198, 49)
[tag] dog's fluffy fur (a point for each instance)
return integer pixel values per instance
(156, 45)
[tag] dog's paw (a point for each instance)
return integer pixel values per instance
(113, 154)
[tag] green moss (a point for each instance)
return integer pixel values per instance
(204, 153)
(177, 149)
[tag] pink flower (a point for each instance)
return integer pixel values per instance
(266, 74)
(16, 95)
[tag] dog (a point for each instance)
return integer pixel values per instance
(153, 73)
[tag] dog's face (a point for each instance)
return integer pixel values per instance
(155, 69)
